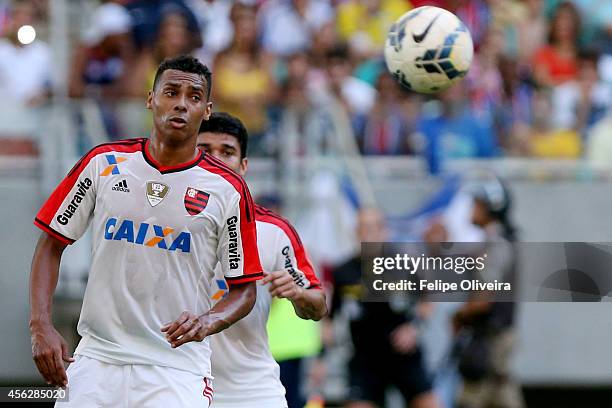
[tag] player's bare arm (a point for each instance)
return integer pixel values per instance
(308, 303)
(190, 327)
(49, 349)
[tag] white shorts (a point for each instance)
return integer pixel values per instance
(93, 383)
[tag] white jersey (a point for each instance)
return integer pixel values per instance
(243, 367)
(158, 234)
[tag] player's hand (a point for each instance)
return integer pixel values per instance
(49, 351)
(188, 327)
(404, 338)
(282, 284)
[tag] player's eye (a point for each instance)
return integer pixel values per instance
(229, 153)
(169, 93)
(196, 98)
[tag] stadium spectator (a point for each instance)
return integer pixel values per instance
(364, 24)
(578, 104)
(484, 78)
(173, 39)
(244, 86)
(506, 16)
(99, 65)
(356, 95)
(323, 41)
(287, 26)
(555, 63)
(513, 116)
(148, 14)
(531, 31)
(25, 69)
(546, 141)
(476, 15)
(453, 132)
(217, 30)
(386, 129)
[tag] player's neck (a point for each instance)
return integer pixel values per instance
(170, 152)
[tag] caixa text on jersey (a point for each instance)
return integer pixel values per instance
(150, 235)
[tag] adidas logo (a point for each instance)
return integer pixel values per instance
(121, 186)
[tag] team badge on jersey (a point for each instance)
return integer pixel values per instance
(195, 200)
(156, 192)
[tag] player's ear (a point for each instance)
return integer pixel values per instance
(150, 100)
(208, 110)
(244, 165)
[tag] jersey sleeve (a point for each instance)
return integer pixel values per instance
(68, 210)
(237, 248)
(292, 257)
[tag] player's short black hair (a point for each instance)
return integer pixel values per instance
(222, 122)
(185, 63)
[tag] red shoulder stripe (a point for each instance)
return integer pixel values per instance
(218, 167)
(303, 263)
(52, 204)
(248, 232)
(127, 142)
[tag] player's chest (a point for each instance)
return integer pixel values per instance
(146, 202)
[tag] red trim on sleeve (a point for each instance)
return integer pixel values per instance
(237, 280)
(248, 232)
(49, 209)
(62, 238)
(303, 263)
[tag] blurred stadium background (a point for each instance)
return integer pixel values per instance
(331, 131)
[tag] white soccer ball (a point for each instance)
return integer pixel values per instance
(428, 49)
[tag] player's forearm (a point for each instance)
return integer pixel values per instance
(43, 278)
(310, 304)
(237, 304)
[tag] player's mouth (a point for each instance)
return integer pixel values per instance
(177, 122)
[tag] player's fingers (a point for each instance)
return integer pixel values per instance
(266, 278)
(287, 285)
(61, 379)
(272, 276)
(287, 293)
(42, 368)
(50, 357)
(280, 282)
(65, 355)
(45, 360)
(192, 335)
(172, 326)
(182, 329)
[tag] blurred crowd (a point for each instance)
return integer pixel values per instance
(540, 84)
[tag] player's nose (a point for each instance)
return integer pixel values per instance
(180, 104)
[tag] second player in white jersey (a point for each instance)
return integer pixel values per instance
(242, 364)
(245, 373)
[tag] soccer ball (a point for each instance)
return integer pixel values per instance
(428, 49)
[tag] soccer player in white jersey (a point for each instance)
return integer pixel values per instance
(245, 372)
(163, 215)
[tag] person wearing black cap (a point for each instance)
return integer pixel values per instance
(485, 327)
